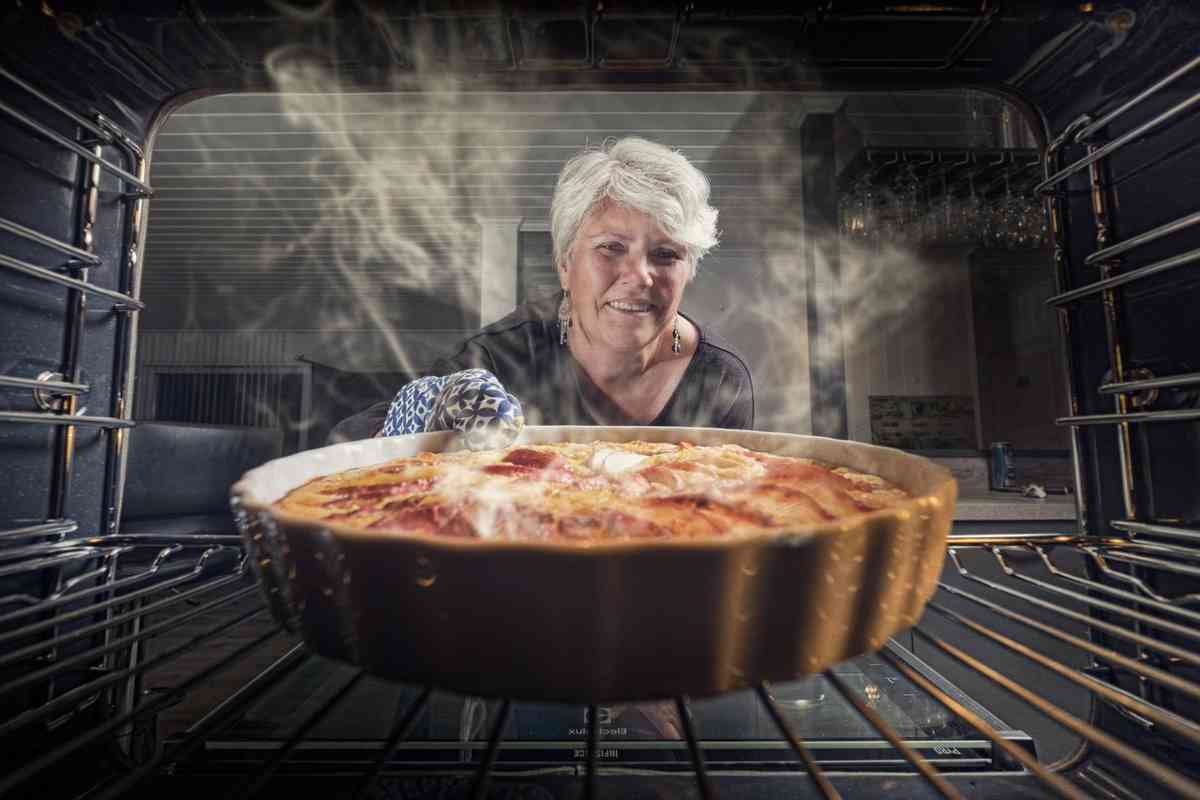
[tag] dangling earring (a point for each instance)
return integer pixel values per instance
(675, 346)
(564, 317)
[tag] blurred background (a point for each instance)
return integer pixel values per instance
(882, 263)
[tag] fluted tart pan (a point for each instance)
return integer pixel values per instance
(620, 620)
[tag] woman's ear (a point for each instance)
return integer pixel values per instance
(562, 273)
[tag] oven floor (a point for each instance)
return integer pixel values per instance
(735, 729)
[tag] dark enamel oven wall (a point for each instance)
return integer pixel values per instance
(84, 87)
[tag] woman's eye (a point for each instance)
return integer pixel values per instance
(666, 256)
(612, 247)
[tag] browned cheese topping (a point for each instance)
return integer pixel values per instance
(593, 492)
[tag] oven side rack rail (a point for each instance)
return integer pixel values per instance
(1114, 596)
(73, 609)
(59, 394)
(1137, 630)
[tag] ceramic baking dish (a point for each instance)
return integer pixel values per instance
(614, 621)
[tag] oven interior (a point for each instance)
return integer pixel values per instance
(1022, 175)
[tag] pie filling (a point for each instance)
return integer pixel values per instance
(599, 491)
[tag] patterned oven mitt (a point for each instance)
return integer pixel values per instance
(472, 402)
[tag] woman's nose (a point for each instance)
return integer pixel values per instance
(636, 270)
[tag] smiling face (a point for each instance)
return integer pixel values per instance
(626, 278)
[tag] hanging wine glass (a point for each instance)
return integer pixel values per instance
(993, 233)
(852, 209)
(943, 213)
(864, 209)
(953, 207)
(933, 228)
(908, 205)
(1012, 230)
(1036, 222)
(846, 216)
(973, 215)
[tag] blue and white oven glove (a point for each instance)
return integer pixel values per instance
(472, 402)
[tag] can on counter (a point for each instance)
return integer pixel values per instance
(1003, 473)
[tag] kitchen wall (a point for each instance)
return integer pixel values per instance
(924, 347)
(1022, 374)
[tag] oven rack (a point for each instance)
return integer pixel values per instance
(1116, 593)
(202, 582)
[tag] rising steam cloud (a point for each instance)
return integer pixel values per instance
(402, 199)
(399, 183)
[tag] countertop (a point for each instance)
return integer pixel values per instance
(988, 506)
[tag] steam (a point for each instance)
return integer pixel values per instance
(403, 212)
(402, 181)
(882, 291)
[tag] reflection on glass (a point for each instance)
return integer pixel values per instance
(923, 198)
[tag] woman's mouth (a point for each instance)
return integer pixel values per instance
(630, 307)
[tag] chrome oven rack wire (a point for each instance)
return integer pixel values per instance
(1141, 641)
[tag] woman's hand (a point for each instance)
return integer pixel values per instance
(472, 402)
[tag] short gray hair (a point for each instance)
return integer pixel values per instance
(638, 174)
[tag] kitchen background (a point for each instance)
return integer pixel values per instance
(311, 251)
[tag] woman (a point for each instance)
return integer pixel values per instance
(629, 223)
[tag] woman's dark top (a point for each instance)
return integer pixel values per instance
(523, 352)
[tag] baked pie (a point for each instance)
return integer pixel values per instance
(591, 492)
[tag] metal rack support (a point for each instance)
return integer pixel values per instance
(221, 717)
(1153, 768)
(1056, 783)
(919, 762)
(820, 779)
(298, 736)
(399, 734)
(483, 775)
(693, 743)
